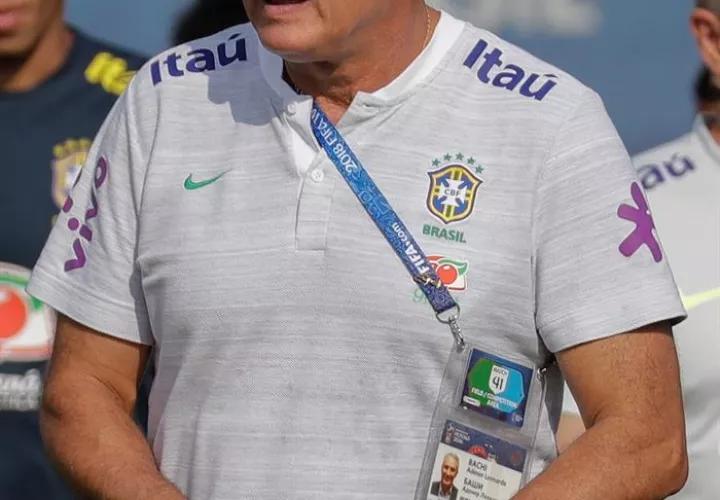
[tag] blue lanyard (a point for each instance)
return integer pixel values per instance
(387, 220)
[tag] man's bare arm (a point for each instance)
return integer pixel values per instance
(86, 417)
(571, 427)
(628, 390)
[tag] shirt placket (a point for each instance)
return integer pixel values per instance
(316, 180)
(319, 180)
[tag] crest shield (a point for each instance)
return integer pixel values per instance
(452, 193)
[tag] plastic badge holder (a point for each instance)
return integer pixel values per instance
(484, 429)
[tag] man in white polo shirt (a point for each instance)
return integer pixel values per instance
(294, 357)
(682, 179)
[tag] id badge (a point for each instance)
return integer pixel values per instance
(484, 428)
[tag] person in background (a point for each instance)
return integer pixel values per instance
(207, 17)
(682, 180)
(707, 94)
(56, 87)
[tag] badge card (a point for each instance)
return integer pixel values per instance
(471, 465)
(496, 388)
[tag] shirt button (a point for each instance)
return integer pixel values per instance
(317, 175)
(291, 108)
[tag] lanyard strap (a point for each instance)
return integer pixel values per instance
(387, 220)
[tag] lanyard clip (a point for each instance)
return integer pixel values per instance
(451, 318)
(457, 335)
(427, 280)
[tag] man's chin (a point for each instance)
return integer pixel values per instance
(15, 47)
(281, 41)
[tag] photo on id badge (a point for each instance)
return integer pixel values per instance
(496, 388)
(470, 464)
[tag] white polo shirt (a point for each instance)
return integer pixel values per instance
(294, 356)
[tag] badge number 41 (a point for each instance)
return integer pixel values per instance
(496, 388)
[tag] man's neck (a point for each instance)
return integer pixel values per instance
(46, 58)
(715, 133)
(445, 490)
(713, 124)
(384, 55)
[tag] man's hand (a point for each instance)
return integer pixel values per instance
(86, 420)
(628, 390)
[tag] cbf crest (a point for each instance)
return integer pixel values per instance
(69, 159)
(453, 188)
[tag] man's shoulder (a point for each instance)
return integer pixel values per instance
(202, 75)
(192, 64)
(507, 73)
(672, 160)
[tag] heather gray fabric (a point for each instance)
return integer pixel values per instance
(294, 358)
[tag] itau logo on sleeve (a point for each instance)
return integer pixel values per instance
(199, 59)
(654, 175)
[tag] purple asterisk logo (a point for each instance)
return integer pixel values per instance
(644, 226)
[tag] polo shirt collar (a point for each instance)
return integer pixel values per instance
(708, 143)
(446, 33)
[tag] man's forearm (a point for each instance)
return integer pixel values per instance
(615, 459)
(96, 444)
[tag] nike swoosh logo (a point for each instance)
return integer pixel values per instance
(699, 299)
(191, 185)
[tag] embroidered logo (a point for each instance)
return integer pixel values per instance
(451, 272)
(191, 185)
(453, 189)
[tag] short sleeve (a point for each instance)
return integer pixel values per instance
(599, 265)
(87, 269)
